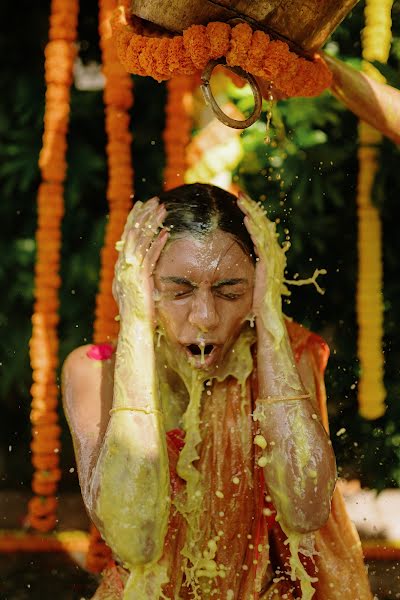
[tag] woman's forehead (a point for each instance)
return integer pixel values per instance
(215, 256)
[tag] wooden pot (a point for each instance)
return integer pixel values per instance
(304, 24)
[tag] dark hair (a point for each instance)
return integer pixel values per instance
(200, 208)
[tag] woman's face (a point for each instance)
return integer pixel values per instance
(205, 290)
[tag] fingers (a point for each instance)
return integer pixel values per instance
(255, 214)
(147, 232)
(250, 228)
(141, 224)
(256, 222)
(137, 214)
(247, 205)
(142, 243)
(155, 250)
(250, 207)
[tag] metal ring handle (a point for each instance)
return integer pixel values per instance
(210, 100)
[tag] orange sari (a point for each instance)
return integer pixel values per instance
(237, 511)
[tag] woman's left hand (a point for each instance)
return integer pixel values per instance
(269, 255)
(300, 472)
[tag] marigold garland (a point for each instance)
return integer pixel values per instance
(376, 38)
(45, 446)
(118, 99)
(178, 128)
(64, 541)
(143, 51)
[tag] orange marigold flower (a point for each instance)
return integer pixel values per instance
(45, 446)
(196, 42)
(62, 32)
(44, 488)
(179, 61)
(52, 303)
(41, 506)
(258, 51)
(147, 59)
(287, 78)
(276, 58)
(63, 26)
(62, 6)
(48, 280)
(123, 40)
(253, 51)
(54, 172)
(56, 93)
(117, 147)
(161, 57)
(219, 36)
(133, 53)
(36, 362)
(46, 432)
(46, 476)
(121, 98)
(50, 189)
(42, 523)
(240, 44)
(45, 461)
(43, 376)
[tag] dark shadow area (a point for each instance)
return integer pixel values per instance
(384, 576)
(55, 575)
(43, 576)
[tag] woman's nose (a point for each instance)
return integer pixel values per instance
(203, 312)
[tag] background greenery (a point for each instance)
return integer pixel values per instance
(306, 177)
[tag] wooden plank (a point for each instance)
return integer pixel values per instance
(177, 15)
(305, 23)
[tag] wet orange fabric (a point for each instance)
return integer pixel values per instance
(251, 543)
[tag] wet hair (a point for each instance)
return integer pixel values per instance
(200, 208)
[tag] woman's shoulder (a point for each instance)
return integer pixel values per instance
(90, 354)
(86, 367)
(87, 386)
(302, 339)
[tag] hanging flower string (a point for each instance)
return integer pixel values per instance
(144, 51)
(45, 446)
(118, 99)
(178, 128)
(376, 38)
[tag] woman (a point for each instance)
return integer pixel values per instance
(201, 451)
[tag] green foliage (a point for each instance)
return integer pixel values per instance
(306, 177)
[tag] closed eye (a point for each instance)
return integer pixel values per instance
(182, 293)
(238, 287)
(227, 295)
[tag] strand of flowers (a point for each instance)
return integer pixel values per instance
(45, 446)
(178, 128)
(15, 540)
(143, 51)
(376, 39)
(118, 99)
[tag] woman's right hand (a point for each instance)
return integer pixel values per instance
(139, 250)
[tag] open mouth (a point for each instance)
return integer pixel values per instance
(200, 354)
(198, 350)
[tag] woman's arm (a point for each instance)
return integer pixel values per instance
(127, 488)
(299, 463)
(300, 471)
(374, 102)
